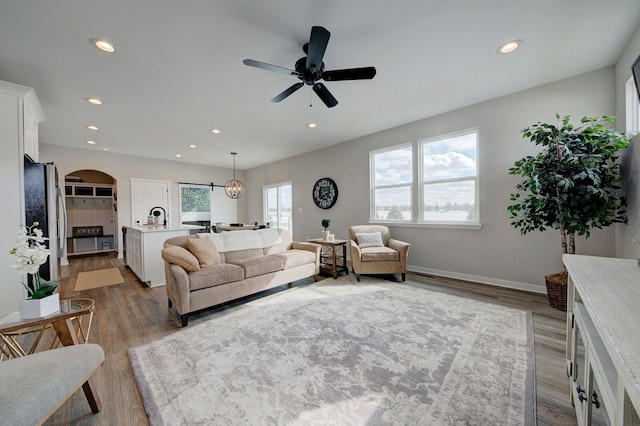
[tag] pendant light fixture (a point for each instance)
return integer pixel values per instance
(234, 188)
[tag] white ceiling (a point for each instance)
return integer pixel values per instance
(178, 69)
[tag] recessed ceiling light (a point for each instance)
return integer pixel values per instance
(311, 125)
(105, 149)
(509, 46)
(92, 127)
(179, 155)
(103, 45)
(216, 131)
(192, 146)
(94, 101)
(91, 142)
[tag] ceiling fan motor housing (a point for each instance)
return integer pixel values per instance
(305, 74)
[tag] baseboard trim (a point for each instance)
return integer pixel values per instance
(532, 288)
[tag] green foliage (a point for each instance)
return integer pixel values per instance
(572, 184)
(326, 222)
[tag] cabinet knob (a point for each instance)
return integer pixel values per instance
(594, 399)
(581, 396)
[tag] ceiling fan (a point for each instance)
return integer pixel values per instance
(310, 69)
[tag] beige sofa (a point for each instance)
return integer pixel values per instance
(204, 270)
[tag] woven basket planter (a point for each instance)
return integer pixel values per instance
(557, 290)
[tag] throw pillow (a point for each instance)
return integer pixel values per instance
(204, 250)
(373, 239)
(181, 257)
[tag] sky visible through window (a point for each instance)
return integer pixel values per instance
(448, 176)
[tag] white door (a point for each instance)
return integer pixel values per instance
(145, 195)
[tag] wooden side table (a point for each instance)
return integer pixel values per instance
(333, 256)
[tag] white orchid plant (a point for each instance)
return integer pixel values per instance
(30, 253)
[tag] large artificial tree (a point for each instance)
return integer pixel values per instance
(572, 185)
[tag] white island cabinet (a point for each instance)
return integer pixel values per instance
(603, 339)
(143, 245)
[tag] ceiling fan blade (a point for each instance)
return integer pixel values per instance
(269, 67)
(287, 92)
(324, 94)
(317, 45)
(365, 73)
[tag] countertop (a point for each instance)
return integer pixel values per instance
(163, 228)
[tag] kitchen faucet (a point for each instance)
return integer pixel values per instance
(164, 214)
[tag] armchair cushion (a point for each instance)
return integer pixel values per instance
(378, 254)
(369, 239)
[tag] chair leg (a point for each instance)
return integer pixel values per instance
(184, 319)
(404, 276)
(170, 302)
(357, 277)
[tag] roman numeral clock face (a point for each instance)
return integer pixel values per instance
(325, 193)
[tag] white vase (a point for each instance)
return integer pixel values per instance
(38, 308)
(325, 235)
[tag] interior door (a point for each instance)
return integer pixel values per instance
(145, 195)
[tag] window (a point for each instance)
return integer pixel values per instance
(278, 205)
(449, 178)
(441, 189)
(392, 177)
(633, 107)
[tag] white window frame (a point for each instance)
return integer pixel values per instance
(417, 186)
(265, 206)
(373, 187)
(632, 107)
(422, 182)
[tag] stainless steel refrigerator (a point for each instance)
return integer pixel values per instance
(44, 203)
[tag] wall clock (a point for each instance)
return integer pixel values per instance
(325, 193)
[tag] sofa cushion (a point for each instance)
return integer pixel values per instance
(240, 255)
(293, 258)
(369, 239)
(181, 257)
(376, 254)
(260, 265)
(204, 250)
(213, 275)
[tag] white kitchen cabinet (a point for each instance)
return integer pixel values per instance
(143, 251)
(20, 113)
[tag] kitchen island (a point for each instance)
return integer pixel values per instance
(143, 245)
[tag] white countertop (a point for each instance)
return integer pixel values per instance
(162, 228)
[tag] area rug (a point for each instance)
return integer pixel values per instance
(99, 278)
(341, 353)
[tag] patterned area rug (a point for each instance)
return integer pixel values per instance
(341, 353)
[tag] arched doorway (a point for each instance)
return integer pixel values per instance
(91, 206)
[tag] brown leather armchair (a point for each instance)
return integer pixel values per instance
(373, 251)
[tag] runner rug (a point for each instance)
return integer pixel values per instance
(336, 352)
(99, 278)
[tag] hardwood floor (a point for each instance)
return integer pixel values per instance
(131, 314)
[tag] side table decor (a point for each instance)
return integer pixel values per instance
(30, 253)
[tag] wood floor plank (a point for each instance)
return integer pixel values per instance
(131, 314)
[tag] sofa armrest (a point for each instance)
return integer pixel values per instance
(178, 287)
(314, 248)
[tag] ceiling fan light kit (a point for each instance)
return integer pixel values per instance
(310, 69)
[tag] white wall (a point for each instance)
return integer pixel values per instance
(625, 248)
(497, 253)
(124, 167)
